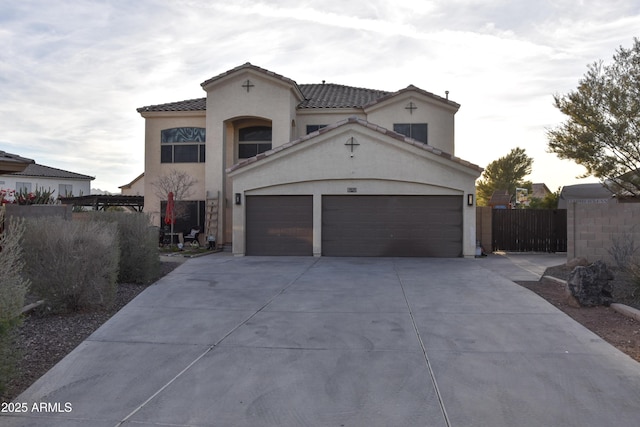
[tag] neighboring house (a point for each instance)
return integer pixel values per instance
(500, 199)
(39, 177)
(10, 163)
(134, 188)
(315, 169)
(585, 193)
(540, 191)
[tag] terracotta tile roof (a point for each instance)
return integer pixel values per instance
(337, 96)
(361, 122)
(199, 104)
(317, 95)
(49, 172)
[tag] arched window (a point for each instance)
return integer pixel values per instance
(253, 140)
(182, 145)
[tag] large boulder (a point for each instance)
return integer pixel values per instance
(573, 263)
(590, 286)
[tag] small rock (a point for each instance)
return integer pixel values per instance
(589, 286)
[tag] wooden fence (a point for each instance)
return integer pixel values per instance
(529, 230)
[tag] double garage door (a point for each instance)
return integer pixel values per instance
(420, 226)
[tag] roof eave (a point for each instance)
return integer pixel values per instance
(453, 106)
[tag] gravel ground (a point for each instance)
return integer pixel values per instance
(43, 340)
(618, 330)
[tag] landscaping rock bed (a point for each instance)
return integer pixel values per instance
(623, 332)
(44, 339)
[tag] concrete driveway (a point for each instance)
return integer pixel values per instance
(261, 341)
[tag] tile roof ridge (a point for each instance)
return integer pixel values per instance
(248, 65)
(343, 85)
(414, 88)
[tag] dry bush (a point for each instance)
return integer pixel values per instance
(72, 265)
(623, 250)
(139, 261)
(13, 287)
(624, 253)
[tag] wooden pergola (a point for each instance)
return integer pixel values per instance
(101, 202)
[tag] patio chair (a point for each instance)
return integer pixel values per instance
(192, 236)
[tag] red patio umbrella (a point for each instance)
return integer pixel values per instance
(169, 214)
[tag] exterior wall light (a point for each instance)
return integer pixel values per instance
(470, 199)
(238, 199)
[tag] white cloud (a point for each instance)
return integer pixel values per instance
(73, 72)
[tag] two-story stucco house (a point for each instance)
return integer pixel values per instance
(316, 169)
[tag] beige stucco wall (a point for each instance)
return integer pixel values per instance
(323, 116)
(438, 116)
(269, 99)
(592, 228)
(136, 188)
(154, 124)
(379, 165)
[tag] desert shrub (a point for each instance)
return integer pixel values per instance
(72, 265)
(13, 287)
(139, 261)
(624, 253)
(623, 250)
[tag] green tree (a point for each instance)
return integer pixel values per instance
(602, 130)
(550, 201)
(506, 173)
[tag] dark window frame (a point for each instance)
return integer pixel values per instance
(417, 131)
(182, 145)
(313, 128)
(252, 140)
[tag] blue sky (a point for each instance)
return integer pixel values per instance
(72, 73)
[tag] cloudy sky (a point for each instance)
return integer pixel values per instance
(73, 72)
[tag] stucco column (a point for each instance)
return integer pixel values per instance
(469, 225)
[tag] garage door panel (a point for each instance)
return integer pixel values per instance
(392, 226)
(279, 225)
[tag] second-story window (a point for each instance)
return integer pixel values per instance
(182, 145)
(417, 131)
(313, 128)
(253, 141)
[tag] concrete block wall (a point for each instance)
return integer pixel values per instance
(592, 229)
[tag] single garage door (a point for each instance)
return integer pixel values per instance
(421, 226)
(279, 225)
